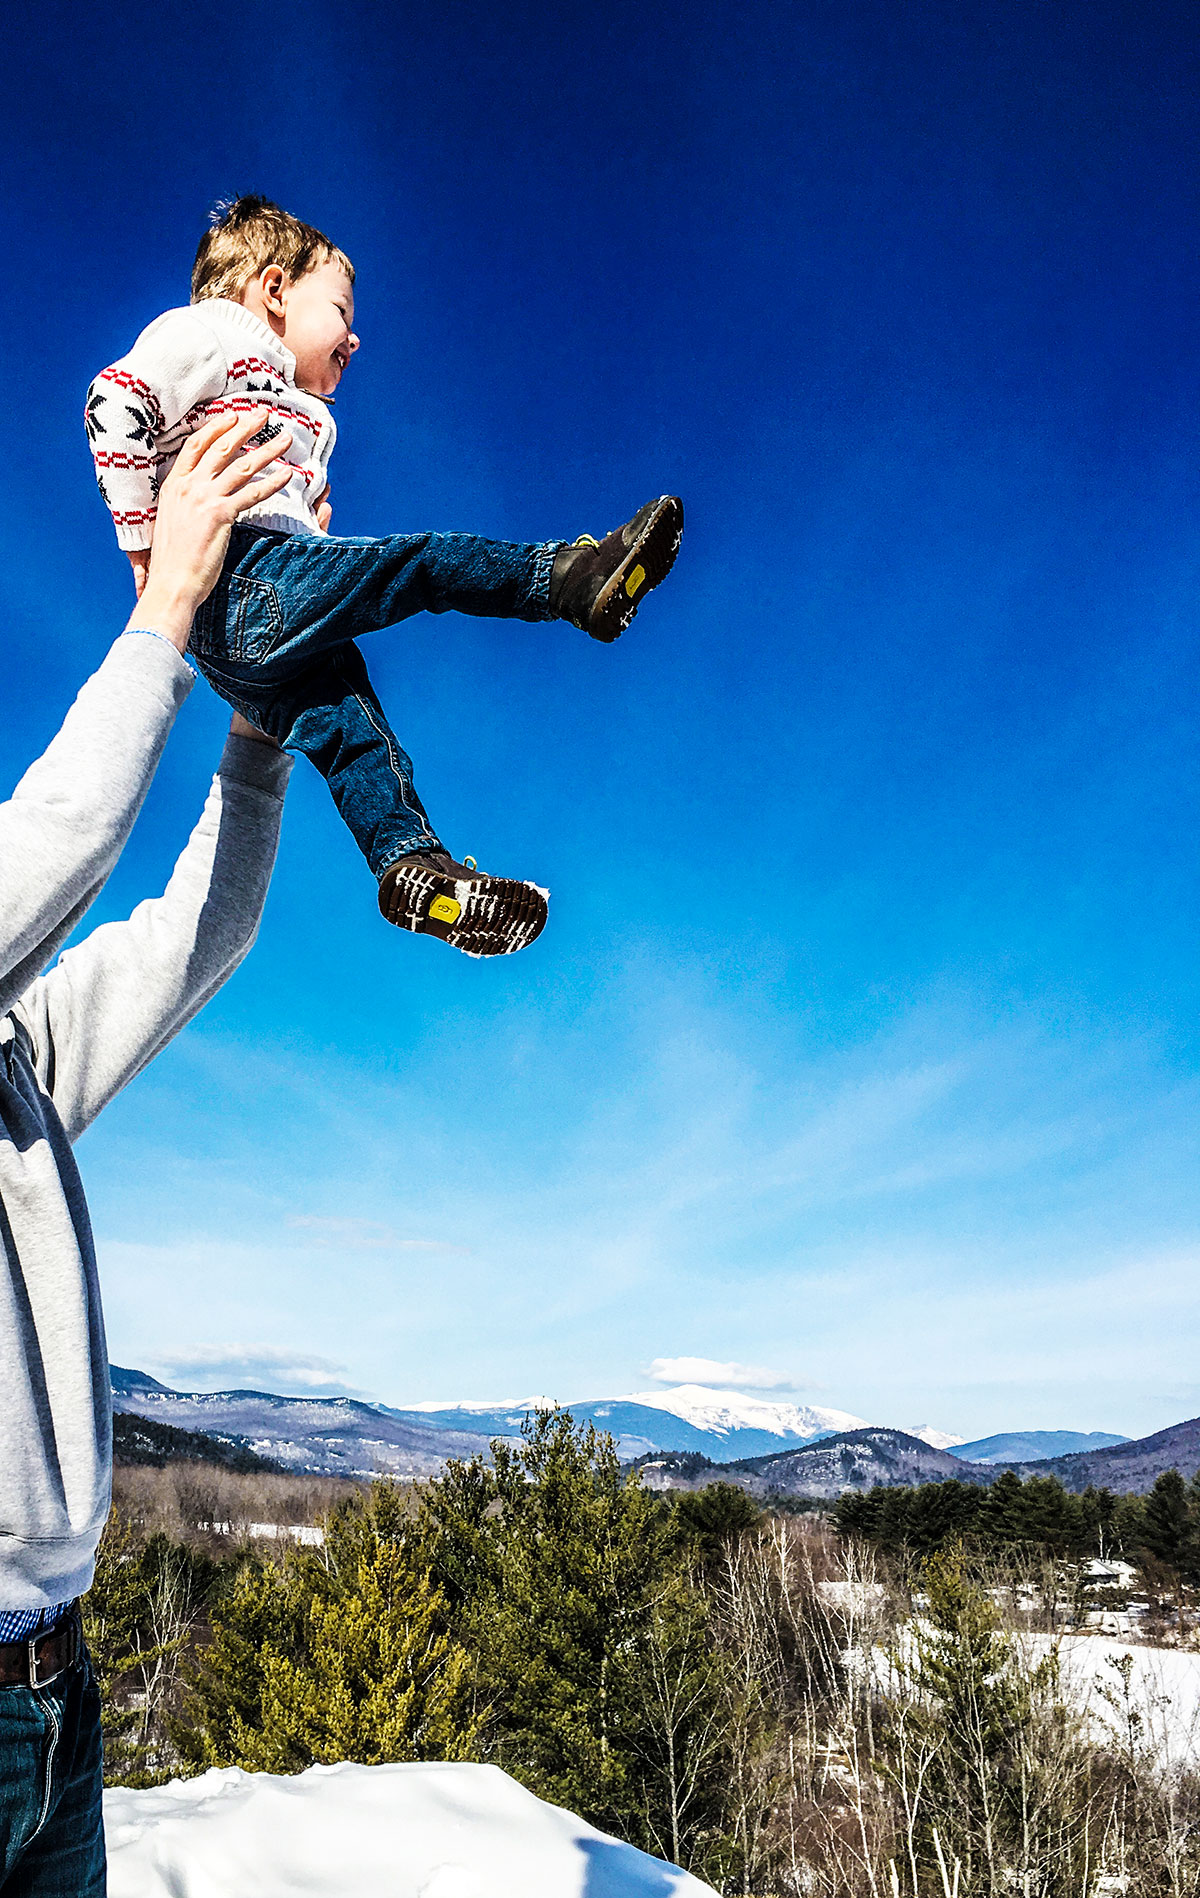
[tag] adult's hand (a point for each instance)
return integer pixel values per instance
(216, 478)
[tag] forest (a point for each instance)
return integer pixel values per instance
(869, 1703)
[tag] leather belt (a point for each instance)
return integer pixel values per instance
(41, 1658)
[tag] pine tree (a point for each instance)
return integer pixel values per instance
(967, 1732)
(710, 1518)
(1169, 1525)
(146, 1598)
(592, 1655)
(337, 1654)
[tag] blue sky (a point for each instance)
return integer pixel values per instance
(862, 1044)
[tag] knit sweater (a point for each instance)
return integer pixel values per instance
(68, 1041)
(213, 358)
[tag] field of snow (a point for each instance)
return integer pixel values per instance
(1146, 1698)
(435, 1831)
(1163, 1692)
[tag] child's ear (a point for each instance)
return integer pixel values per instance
(272, 281)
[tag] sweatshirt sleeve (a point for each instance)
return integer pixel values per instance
(111, 1004)
(176, 364)
(64, 826)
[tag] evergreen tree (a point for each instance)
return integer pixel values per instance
(710, 1518)
(1169, 1525)
(337, 1654)
(591, 1651)
(940, 1513)
(1002, 1516)
(147, 1595)
(968, 1722)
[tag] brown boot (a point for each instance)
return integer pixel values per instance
(481, 915)
(599, 585)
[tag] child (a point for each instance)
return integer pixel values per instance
(271, 325)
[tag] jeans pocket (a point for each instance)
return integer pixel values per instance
(240, 620)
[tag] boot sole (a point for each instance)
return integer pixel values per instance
(645, 566)
(481, 915)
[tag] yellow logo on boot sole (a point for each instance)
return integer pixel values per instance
(444, 909)
(634, 580)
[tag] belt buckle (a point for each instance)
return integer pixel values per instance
(35, 1679)
(38, 1680)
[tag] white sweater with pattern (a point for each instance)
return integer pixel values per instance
(212, 358)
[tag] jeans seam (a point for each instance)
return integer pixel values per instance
(56, 1735)
(396, 771)
(386, 736)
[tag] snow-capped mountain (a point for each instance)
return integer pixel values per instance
(721, 1425)
(936, 1439)
(724, 1411)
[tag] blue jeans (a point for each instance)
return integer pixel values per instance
(276, 639)
(51, 1824)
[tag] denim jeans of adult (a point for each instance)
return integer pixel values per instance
(276, 639)
(51, 1824)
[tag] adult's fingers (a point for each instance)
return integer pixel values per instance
(248, 465)
(197, 446)
(261, 490)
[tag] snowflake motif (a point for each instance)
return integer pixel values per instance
(103, 492)
(141, 430)
(91, 416)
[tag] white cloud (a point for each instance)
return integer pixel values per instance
(753, 1377)
(270, 1367)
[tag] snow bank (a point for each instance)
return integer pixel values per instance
(437, 1831)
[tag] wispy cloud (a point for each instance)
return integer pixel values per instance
(364, 1235)
(751, 1377)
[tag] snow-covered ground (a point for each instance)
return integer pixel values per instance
(436, 1831)
(1146, 1698)
(1159, 1687)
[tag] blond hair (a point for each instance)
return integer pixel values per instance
(249, 233)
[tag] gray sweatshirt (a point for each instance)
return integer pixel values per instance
(69, 1040)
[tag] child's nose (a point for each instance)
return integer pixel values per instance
(353, 341)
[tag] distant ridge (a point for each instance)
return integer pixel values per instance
(137, 1440)
(324, 1436)
(864, 1459)
(767, 1445)
(1132, 1466)
(1030, 1446)
(858, 1459)
(124, 1383)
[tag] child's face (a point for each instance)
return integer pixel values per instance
(318, 318)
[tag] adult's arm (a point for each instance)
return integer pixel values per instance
(112, 1003)
(62, 830)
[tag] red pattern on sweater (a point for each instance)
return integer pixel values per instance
(133, 385)
(117, 458)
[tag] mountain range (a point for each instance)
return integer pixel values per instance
(345, 1436)
(328, 1436)
(862, 1459)
(721, 1425)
